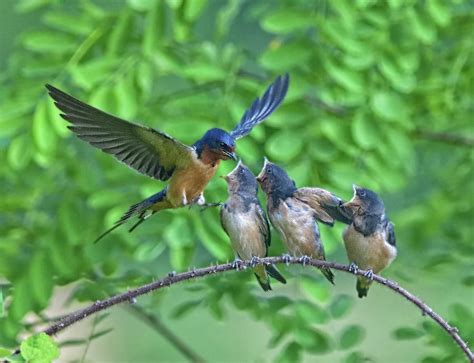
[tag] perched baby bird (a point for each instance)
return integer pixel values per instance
(294, 213)
(245, 222)
(370, 238)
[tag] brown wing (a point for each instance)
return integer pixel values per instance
(324, 203)
(144, 149)
(263, 225)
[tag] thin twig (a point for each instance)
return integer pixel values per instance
(154, 322)
(453, 139)
(171, 279)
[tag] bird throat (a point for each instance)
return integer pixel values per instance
(209, 157)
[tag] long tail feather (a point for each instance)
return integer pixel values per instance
(273, 272)
(262, 278)
(139, 209)
(328, 274)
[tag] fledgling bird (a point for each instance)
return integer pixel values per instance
(160, 156)
(369, 238)
(294, 213)
(246, 224)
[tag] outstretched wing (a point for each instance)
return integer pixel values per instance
(262, 107)
(325, 204)
(144, 149)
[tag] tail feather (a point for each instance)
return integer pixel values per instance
(138, 208)
(273, 272)
(262, 278)
(328, 274)
(362, 286)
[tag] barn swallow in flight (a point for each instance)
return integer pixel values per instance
(158, 155)
(294, 213)
(369, 238)
(246, 224)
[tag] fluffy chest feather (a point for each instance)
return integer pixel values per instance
(369, 252)
(295, 222)
(244, 229)
(191, 181)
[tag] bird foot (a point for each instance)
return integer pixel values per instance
(369, 274)
(286, 258)
(304, 259)
(254, 261)
(210, 205)
(353, 268)
(237, 264)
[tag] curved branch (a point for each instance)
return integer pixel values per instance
(173, 278)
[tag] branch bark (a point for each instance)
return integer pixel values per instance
(172, 278)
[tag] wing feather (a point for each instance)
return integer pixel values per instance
(262, 107)
(144, 149)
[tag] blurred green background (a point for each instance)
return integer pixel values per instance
(381, 95)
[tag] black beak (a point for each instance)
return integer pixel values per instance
(231, 155)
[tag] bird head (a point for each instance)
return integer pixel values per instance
(364, 201)
(274, 180)
(219, 144)
(241, 180)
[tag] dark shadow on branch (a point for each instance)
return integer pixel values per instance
(171, 279)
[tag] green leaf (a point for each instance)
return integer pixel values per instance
(284, 145)
(312, 340)
(43, 135)
(39, 348)
(438, 11)
(389, 106)
(421, 26)
(286, 20)
(127, 102)
(193, 9)
(48, 42)
(40, 277)
(291, 353)
(357, 357)
(141, 5)
(184, 308)
(351, 80)
(4, 352)
(120, 32)
(407, 333)
(282, 57)
(320, 292)
(351, 336)
(66, 22)
(364, 131)
(341, 306)
(310, 313)
(20, 152)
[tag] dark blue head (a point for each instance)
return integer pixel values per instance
(275, 181)
(365, 202)
(216, 144)
(241, 180)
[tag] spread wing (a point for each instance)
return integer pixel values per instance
(262, 107)
(325, 204)
(144, 149)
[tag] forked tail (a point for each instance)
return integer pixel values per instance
(141, 209)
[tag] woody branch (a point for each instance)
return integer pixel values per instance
(172, 279)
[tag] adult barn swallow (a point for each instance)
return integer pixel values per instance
(370, 238)
(294, 213)
(246, 224)
(158, 155)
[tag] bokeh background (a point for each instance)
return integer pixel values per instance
(381, 95)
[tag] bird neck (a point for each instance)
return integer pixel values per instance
(206, 155)
(280, 194)
(367, 223)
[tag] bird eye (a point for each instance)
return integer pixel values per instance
(269, 171)
(222, 145)
(362, 193)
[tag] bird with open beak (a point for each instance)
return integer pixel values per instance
(369, 238)
(294, 213)
(188, 168)
(246, 224)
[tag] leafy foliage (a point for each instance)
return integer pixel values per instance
(378, 89)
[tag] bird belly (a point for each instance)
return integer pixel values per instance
(368, 252)
(187, 184)
(244, 233)
(298, 229)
